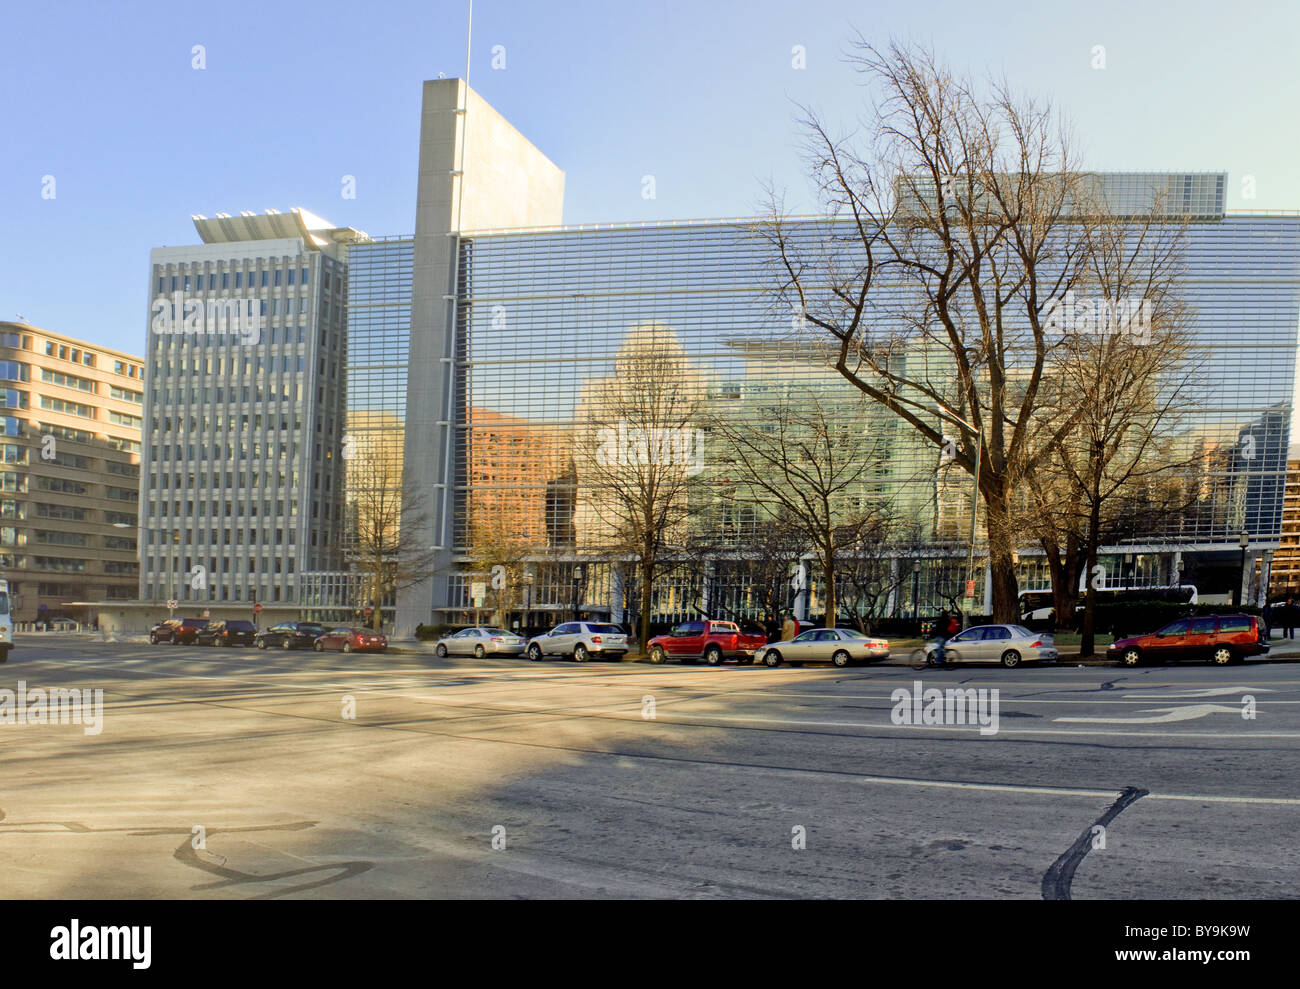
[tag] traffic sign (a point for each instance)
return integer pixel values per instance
(173, 604)
(368, 611)
(257, 609)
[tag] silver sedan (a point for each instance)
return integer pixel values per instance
(1009, 645)
(480, 641)
(840, 646)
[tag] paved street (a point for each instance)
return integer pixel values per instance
(630, 780)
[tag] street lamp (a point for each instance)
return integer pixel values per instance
(978, 432)
(1243, 541)
(528, 599)
(579, 575)
(916, 590)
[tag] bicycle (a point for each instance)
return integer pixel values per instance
(927, 656)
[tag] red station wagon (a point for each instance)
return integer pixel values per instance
(1217, 639)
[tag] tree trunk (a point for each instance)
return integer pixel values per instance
(997, 513)
(829, 600)
(647, 575)
(1086, 640)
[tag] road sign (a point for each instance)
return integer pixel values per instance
(173, 604)
(257, 609)
(478, 591)
(970, 588)
(368, 611)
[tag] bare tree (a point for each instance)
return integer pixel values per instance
(639, 450)
(815, 461)
(945, 242)
(382, 522)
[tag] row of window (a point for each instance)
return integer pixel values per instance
(11, 509)
(65, 352)
(256, 279)
(11, 536)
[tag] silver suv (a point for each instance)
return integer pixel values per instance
(581, 640)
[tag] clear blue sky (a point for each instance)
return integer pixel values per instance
(700, 94)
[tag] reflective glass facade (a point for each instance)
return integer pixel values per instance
(545, 316)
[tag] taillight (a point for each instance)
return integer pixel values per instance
(596, 638)
(497, 638)
(1035, 644)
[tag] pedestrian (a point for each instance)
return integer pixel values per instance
(1267, 616)
(789, 628)
(1288, 618)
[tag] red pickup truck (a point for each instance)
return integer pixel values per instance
(710, 641)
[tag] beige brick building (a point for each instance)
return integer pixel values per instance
(69, 509)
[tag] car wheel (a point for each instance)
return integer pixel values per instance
(440, 651)
(479, 652)
(657, 655)
(347, 647)
(772, 658)
(286, 644)
(260, 643)
(153, 640)
(840, 659)
(713, 655)
(1222, 656)
(319, 646)
(1131, 657)
(1011, 659)
(535, 653)
(579, 653)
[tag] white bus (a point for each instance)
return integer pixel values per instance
(6, 622)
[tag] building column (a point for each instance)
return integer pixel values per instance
(617, 592)
(988, 588)
(891, 603)
(1265, 574)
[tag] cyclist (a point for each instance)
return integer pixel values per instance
(946, 627)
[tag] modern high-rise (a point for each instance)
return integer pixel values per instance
(242, 473)
(517, 321)
(70, 472)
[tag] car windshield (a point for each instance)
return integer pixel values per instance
(240, 626)
(496, 631)
(851, 633)
(1020, 631)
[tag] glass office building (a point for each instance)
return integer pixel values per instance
(545, 316)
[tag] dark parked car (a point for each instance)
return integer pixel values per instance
(1218, 639)
(290, 635)
(350, 639)
(226, 633)
(177, 631)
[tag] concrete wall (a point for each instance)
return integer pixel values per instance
(507, 183)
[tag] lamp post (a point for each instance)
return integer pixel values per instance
(1243, 541)
(528, 601)
(579, 575)
(916, 590)
(978, 433)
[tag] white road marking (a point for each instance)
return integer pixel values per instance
(1188, 712)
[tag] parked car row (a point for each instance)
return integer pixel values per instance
(285, 635)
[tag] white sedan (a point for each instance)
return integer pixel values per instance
(840, 646)
(480, 641)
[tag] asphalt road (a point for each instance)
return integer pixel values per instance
(238, 774)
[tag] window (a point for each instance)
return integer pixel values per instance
(11, 426)
(125, 470)
(1202, 626)
(1172, 630)
(127, 395)
(67, 408)
(12, 453)
(11, 399)
(61, 538)
(68, 433)
(14, 371)
(61, 485)
(67, 380)
(122, 419)
(130, 446)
